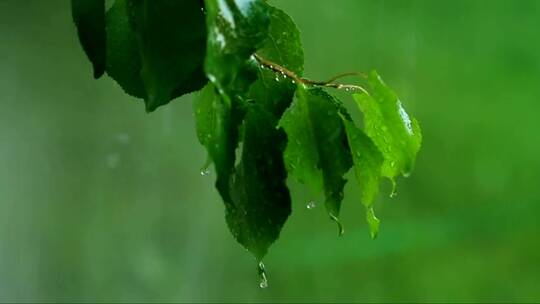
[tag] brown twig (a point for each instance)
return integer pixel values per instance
(329, 83)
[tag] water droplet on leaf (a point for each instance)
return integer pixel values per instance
(311, 205)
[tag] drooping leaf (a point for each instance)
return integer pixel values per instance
(367, 161)
(394, 132)
(123, 57)
(261, 200)
(171, 36)
(89, 17)
(260, 197)
(235, 29)
(317, 153)
(217, 131)
(258, 202)
(261, 191)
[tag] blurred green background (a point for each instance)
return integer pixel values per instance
(100, 201)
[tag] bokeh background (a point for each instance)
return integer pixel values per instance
(100, 201)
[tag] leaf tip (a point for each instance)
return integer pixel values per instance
(98, 72)
(373, 222)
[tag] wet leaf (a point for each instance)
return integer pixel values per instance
(256, 124)
(171, 37)
(282, 46)
(261, 200)
(89, 17)
(123, 58)
(233, 35)
(317, 153)
(394, 132)
(236, 28)
(367, 161)
(258, 201)
(217, 131)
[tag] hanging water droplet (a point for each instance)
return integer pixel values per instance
(311, 205)
(277, 78)
(341, 229)
(394, 189)
(205, 171)
(263, 283)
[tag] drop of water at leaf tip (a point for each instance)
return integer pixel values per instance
(205, 172)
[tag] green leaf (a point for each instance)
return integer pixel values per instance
(123, 58)
(217, 130)
(172, 42)
(284, 47)
(283, 44)
(394, 132)
(261, 200)
(258, 201)
(234, 32)
(367, 161)
(89, 17)
(317, 153)
(236, 28)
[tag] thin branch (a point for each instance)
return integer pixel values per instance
(360, 74)
(329, 83)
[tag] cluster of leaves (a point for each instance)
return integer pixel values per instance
(259, 120)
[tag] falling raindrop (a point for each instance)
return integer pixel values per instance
(123, 138)
(263, 283)
(113, 160)
(311, 205)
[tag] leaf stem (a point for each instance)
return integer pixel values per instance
(330, 83)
